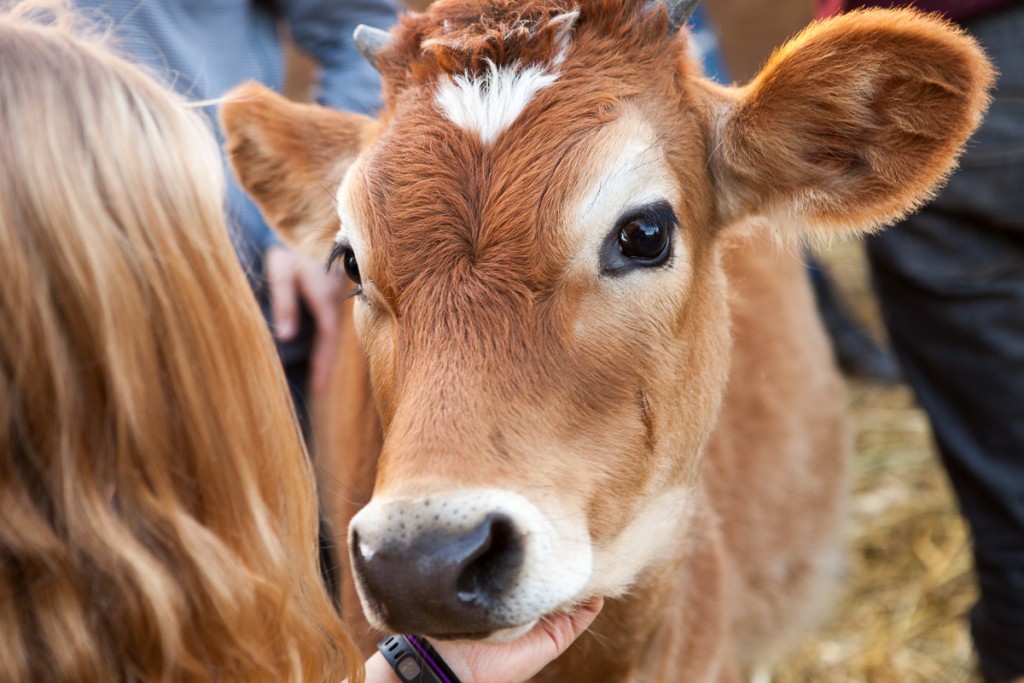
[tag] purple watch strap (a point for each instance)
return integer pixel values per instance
(434, 666)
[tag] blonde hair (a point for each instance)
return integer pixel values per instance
(157, 511)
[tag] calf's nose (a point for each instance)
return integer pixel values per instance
(447, 583)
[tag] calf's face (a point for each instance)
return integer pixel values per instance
(546, 345)
(535, 231)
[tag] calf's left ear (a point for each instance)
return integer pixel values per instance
(291, 158)
(853, 124)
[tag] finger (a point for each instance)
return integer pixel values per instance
(584, 615)
(284, 305)
(563, 629)
(322, 293)
(519, 660)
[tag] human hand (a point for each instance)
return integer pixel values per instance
(515, 662)
(289, 276)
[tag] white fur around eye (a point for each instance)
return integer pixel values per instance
(630, 171)
(350, 231)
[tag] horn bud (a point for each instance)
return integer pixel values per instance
(679, 12)
(370, 41)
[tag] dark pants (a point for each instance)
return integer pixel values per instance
(951, 286)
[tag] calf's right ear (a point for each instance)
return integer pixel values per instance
(291, 158)
(851, 125)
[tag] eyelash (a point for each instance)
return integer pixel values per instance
(336, 253)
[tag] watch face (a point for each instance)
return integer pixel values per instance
(408, 669)
(415, 660)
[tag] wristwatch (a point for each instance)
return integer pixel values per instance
(415, 660)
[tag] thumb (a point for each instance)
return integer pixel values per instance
(558, 631)
(521, 659)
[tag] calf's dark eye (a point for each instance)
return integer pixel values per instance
(642, 238)
(344, 252)
(352, 267)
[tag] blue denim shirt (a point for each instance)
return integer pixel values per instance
(202, 48)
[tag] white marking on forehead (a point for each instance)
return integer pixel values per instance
(489, 104)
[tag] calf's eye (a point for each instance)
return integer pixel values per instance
(344, 252)
(642, 238)
(351, 266)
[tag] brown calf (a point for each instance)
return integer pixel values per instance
(589, 363)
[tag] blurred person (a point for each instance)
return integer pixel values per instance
(203, 49)
(157, 509)
(950, 281)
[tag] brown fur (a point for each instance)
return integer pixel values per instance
(471, 318)
(304, 188)
(854, 123)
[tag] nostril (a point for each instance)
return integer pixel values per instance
(495, 563)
